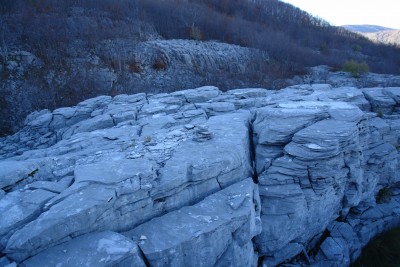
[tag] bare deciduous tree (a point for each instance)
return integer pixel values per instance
(4, 50)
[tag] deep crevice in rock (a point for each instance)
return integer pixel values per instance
(260, 261)
(252, 150)
(143, 256)
(313, 251)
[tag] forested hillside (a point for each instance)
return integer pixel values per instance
(291, 36)
(59, 52)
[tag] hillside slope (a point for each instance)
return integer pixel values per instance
(376, 33)
(366, 28)
(387, 37)
(119, 66)
(56, 53)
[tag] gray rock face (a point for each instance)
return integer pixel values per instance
(18, 208)
(97, 249)
(170, 172)
(215, 232)
(150, 64)
(381, 101)
(323, 74)
(12, 171)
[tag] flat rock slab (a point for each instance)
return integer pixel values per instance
(393, 92)
(96, 249)
(18, 208)
(323, 139)
(55, 187)
(12, 171)
(380, 99)
(276, 126)
(78, 213)
(111, 192)
(199, 95)
(224, 156)
(199, 235)
(113, 172)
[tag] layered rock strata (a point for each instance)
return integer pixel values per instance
(307, 174)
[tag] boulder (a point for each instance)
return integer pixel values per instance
(381, 102)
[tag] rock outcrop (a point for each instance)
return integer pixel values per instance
(200, 177)
(122, 66)
(325, 74)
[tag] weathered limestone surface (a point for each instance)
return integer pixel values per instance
(96, 249)
(170, 172)
(216, 231)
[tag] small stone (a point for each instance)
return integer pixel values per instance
(202, 134)
(133, 155)
(189, 126)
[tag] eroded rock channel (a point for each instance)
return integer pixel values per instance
(307, 175)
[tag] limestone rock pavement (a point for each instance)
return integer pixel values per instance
(163, 179)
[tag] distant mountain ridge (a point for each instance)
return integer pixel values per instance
(378, 34)
(386, 37)
(365, 28)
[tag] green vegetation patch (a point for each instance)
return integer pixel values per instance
(32, 173)
(355, 68)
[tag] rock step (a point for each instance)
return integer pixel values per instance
(215, 232)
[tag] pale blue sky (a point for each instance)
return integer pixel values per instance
(340, 12)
